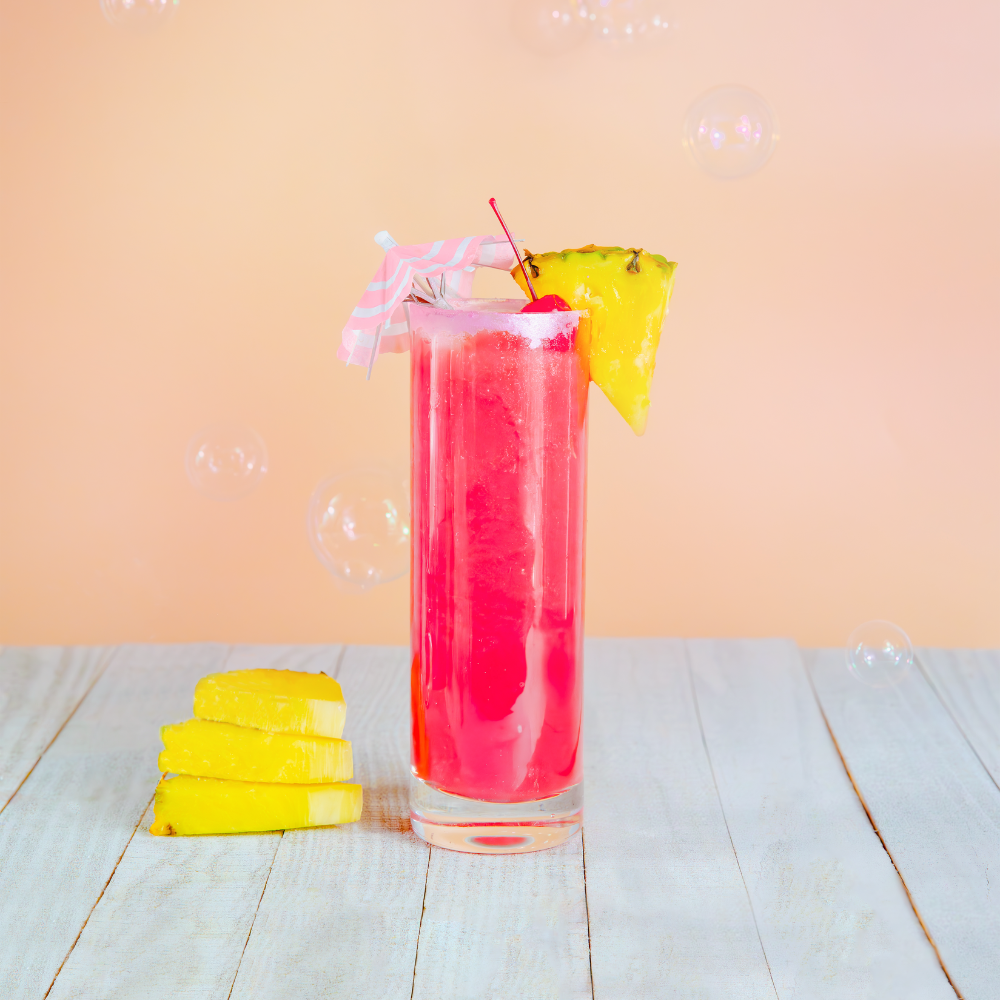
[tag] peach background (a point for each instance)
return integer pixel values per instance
(187, 219)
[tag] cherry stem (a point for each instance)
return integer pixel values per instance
(513, 245)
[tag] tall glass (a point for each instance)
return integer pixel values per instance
(498, 460)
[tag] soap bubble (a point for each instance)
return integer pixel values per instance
(879, 654)
(630, 21)
(226, 461)
(550, 26)
(139, 15)
(730, 131)
(359, 526)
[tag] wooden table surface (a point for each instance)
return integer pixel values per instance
(758, 824)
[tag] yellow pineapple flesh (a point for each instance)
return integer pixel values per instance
(187, 805)
(278, 701)
(222, 750)
(626, 293)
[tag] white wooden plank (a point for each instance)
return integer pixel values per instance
(175, 918)
(39, 689)
(968, 682)
(669, 914)
(341, 912)
(309, 658)
(934, 804)
(500, 927)
(66, 829)
(173, 921)
(832, 913)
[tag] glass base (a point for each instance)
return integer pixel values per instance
(476, 827)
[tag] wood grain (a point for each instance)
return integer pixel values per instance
(669, 914)
(832, 913)
(935, 805)
(64, 832)
(175, 918)
(499, 927)
(341, 913)
(173, 921)
(40, 687)
(968, 682)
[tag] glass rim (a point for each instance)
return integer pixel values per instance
(467, 307)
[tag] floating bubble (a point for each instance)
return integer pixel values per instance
(359, 527)
(226, 461)
(879, 654)
(626, 22)
(730, 131)
(139, 15)
(550, 26)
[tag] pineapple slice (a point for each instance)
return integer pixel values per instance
(626, 292)
(222, 750)
(278, 701)
(187, 805)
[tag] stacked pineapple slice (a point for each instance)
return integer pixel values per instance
(263, 753)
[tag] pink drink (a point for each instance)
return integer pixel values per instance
(499, 436)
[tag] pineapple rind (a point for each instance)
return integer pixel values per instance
(188, 806)
(277, 701)
(627, 309)
(222, 750)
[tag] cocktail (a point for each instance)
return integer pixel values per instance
(498, 461)
(499, 451)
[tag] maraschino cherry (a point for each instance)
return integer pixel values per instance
(548, 304)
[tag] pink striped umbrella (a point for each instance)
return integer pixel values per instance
(379, 316)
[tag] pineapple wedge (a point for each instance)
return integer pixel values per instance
(222, 750)
(626, 293)
(277, 701)
(187, 805)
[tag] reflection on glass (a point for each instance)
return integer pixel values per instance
(226, 461)
(730, 131)
(629, 21)
(550, 26)
(139, 15)
(359, 527)
(879, 654)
